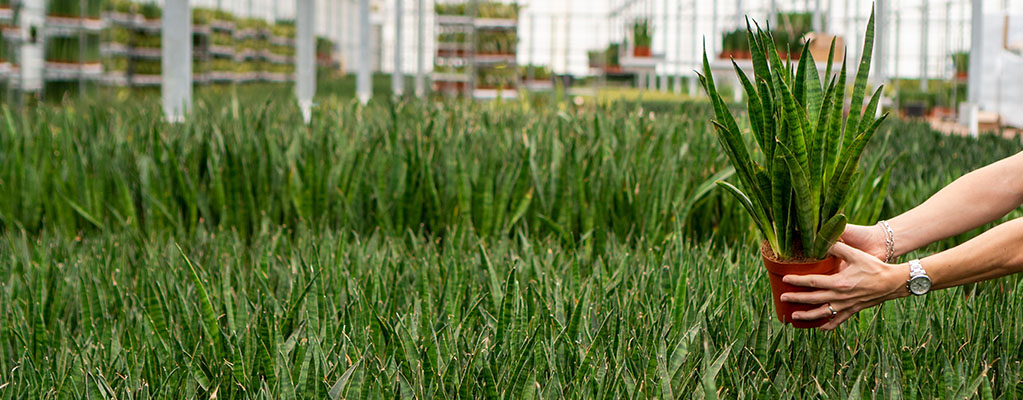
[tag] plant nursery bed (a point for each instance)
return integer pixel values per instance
(61, 24)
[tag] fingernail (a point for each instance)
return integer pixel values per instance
(785, 298)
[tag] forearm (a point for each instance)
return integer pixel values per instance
(974, 199)
(995, 253)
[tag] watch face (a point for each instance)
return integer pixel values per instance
(920, 285)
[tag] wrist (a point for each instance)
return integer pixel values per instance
(898, 277)
(887, 241)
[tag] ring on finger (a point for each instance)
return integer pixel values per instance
(832, 309)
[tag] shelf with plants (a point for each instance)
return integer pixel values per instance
(6, 12)
(325, 53)
(5, 62)
(454, 51)
(536, 77)
(131, 43)
(67, 58)
(961, 63)
(642, 39)
(476, 47)
(67, 17)
(282, 33)
(605, 61)
(787, 38)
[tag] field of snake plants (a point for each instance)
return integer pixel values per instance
(444, 250)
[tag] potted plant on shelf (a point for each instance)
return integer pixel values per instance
(797, 185)
(961, 61)
(641, 39)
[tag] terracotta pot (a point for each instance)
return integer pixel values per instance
(641, 52)
(776, 270)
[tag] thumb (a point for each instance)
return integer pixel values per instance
(855, 233)
(847, 252)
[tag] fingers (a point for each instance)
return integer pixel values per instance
(848, 253)
(820, 312)
(845, 314)
(838, 320)
(815, 297)
(855, 233)
(811, 281)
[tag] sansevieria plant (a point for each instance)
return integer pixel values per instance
(797, 185)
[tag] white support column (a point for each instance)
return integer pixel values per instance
(305, 56)
(696, 49)
(678, 47)
(398, 75)
(176, 59)
(30, 55)
(948, 41)
(664, 68)
(880, 59)
(772, 14)
(976, 64)
(364, 88)
(420, 49)
(739, 19)
(923, 46)
(817, 25)
(713, 47)
(895, 58)
(342, 38)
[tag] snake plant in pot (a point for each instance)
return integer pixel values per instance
(795, 181)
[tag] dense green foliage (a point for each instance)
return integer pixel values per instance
(244, 255)
(809, 150)
(418, 168)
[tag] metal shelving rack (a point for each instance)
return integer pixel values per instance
(207, 52)
(58, 26)
(482, 62)
(9, 36)
(464, 55)
(139, 26)
(457, 55)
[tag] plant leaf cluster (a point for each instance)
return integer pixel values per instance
(797, 191)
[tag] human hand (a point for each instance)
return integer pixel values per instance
(869, 239)
(862, 281)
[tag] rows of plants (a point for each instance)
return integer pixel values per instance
(71, 49)
(501, 42)
(492, 52)
(225, 48)
(487, 9)
(535, 72)
(443, 250)
(787, 37)
(74, 8)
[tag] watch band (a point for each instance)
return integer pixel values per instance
(916, 269)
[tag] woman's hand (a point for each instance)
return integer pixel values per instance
(869, 239)
(863, 281)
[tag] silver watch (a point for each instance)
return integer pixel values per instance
(919, 283)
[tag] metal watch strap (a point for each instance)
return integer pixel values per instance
(916, 269)
(918, 277)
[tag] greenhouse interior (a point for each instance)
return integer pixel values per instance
(368, 199)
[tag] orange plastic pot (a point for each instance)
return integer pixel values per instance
(776, 270)
(641, 52)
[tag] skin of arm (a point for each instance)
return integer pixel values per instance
(972, 200)
(865, 281)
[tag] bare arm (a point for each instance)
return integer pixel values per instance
(975, 199)
(865, 281)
